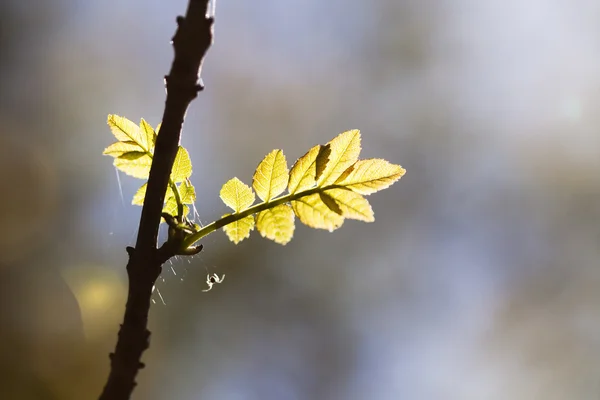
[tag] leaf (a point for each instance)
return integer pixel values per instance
(276, 223)
(182, 166)
(314, 213)
(132, 155)
(170, 207)
(304, 173)
(345, 149)
(125, 130)
(239, 230)
(271, 176)
(138, 168)
(187, 192)
(150, 134)
(371, 175)
(138, 197)
(119, 148)
(352, 205)
(237, 195)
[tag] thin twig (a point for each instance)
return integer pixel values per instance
(191, 41)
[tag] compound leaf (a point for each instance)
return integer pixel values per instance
(271, 176)
(313, 212)
(276, 223)
(125, 130)
(371, 175)
(182, 166)
(237, 195)
(240, 229)
(345, 149)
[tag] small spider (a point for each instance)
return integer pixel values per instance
(212, 279)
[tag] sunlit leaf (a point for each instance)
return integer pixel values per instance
(182, 167)
(304, 173)
(148, 131)
(119, 148)
(132, 155)
(239, 230)
(138, 168)
(237, 195)
(170, 207)
(314, 213)
(125, 130)
(271, 176)
(352, 205)
(187, 192)
(276, 223)
(138, 197)
(345, 149)
(370, 176)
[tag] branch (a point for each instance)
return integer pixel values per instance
(191, 41)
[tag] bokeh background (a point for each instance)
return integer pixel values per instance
(479, 280)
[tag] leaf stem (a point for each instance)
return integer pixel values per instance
(230, 218)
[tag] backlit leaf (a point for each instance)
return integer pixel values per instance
(187, 192)
(125, 130)
(170, 207)
(138, 197)
(276, 223)
(182, 167)
(237, 195)
(314, 213)
(304, 172)
(271, 176)
(138, 168)
(369, 176)
(345, 149)
(119, 148)
(132, 155)
(352, 205)
(239, 230)
(148, 131)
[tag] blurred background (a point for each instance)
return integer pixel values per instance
(478, 280)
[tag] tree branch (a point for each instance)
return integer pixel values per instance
(192, 39)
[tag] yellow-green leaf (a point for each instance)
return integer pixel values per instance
(148, 131)
(352, 205)
(304, 173)
(132, 155)
(237, 195)
(170, 207)
(117, 149)
(187, 192)
(239, 230)
(138, 197)
(345, 149)
(271, 176)
(182, 167)
(369, 176)
(313, 212)
(125, 130)
(138, 168)
(276, 223)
